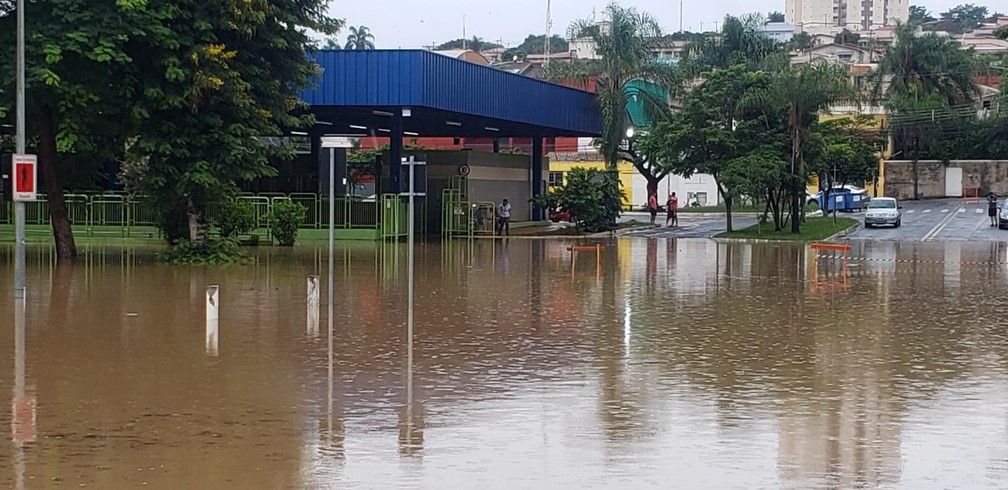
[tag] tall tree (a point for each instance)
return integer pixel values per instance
(775, 16)
(802, 91)
(846, 37)
(919, 14)
(713, 129)
(625, 45)
(965, 17)
(740, 42)
(801, 41)
(360, 39)
(214, 80)
(78, 76)
(921, 64)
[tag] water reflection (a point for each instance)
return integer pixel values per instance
(671, 363)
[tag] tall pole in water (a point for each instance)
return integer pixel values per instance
(409, 284)
(19, 207)
(332, 246)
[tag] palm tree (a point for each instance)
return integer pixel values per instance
(921, 65)
(360, 39)
(626, 44)
(801, 92)
(740, 42)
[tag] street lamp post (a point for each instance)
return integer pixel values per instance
(19, 207)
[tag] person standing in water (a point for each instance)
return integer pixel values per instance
(504, 214)
(672, 208)
(992, 207)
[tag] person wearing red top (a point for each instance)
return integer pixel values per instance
(652, 205)
(672, 208)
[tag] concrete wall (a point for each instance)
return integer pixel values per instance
(989, 175)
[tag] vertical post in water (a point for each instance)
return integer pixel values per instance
(19, 207)
(332, 246)
(409, 281)
(313, 306)
(212, 317)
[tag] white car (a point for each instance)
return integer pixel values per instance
(883, 211)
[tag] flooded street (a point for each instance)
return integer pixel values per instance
(672, 364)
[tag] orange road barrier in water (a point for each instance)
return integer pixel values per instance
(838, 250)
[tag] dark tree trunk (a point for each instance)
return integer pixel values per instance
(727, 207)
(797, 170)
(66, 248)
(652, 186)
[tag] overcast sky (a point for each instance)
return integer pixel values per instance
(417, 23)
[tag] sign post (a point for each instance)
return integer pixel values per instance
(412, 163)
(24, 175)
(19, 207)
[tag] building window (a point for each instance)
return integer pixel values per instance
(555, 178)
(696, 197)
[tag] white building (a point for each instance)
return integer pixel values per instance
(825, 15)
(700, 188)
(781, 32)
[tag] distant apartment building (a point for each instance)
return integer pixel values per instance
(828, 15)
(781, 32)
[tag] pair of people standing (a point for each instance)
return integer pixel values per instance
(671, 209)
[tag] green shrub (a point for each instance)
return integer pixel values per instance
(284, 219)
(185, 252)
(237, 217)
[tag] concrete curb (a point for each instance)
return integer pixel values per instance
(850, 229)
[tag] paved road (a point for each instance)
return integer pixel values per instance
(938, 220)
(690, 225)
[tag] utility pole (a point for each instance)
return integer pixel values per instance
(549, 25)
(19, 206)
(680, 16)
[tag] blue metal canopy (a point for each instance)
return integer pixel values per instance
(364, 92)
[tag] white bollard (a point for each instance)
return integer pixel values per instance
(212, 309)
(313, 306)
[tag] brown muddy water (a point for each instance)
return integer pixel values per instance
(673, 364)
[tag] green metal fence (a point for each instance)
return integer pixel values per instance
(116, 214)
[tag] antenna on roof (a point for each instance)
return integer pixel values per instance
(549, 24)
(463, 33)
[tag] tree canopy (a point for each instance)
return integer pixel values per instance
(536, 44)
(476, 44)
(360, 39)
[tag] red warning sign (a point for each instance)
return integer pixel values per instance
(24, 175)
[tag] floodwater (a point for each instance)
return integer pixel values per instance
(671, 364)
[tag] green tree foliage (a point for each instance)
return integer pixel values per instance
(360, 39)
(706, 135)
(476, 44)
(801, 92)
(78, 73)
(919, 14)
(847, 37)
(214, 80)
(925, 79)
(284, 218)
(740, 42)
(801, 41)
(965, 17)
(1001, 32)
(775, 16)
(536, 45)
(626, 47)
(592, 196)
(236, 217)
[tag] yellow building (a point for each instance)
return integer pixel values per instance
(560, 163)
(877, 120)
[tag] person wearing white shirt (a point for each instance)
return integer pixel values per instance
(504, 218)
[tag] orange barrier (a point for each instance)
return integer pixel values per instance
(830, 285)
(971, 193)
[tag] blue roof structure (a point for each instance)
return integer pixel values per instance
(359, 92)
